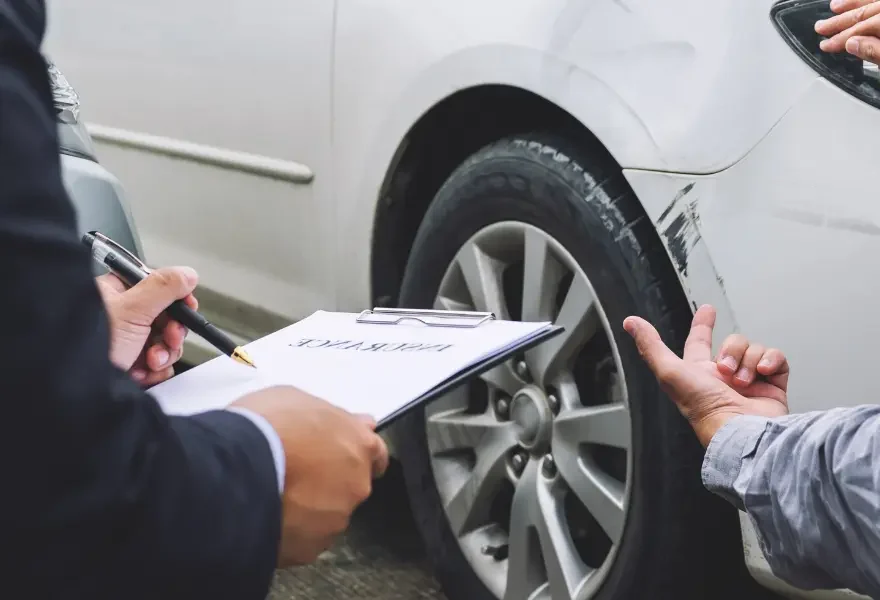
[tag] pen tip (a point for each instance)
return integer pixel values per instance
(243, 357)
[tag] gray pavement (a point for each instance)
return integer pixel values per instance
(380, 558)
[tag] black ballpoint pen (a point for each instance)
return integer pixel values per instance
(131, 270)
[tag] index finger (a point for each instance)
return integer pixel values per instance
(837, 43)
(698, 346)
(841, 6)
(844, 21)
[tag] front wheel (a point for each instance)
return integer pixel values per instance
(565, 474)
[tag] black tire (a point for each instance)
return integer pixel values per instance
(679, 541)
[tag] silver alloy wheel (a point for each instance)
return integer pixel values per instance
(531, 431)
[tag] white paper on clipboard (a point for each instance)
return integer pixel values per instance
(375, 362)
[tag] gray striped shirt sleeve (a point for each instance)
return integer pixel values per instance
(811, 485)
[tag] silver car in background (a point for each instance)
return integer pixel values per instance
(96, 194)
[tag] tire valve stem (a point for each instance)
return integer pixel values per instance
(497, 552)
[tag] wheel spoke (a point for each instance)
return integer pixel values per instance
(455, 429)
(468, 507)
(503, 378)
(580, 318)
(539, 534)
(445, 303)
(482, 275)
(566, 570)
(525, 576)
(600, 493)
(541, 276)
(607, 425)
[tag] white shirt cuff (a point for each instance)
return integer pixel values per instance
(271, 436)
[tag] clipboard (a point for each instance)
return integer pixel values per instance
(381, 365)
(454, 319)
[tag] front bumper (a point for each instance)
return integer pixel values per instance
(99, 201)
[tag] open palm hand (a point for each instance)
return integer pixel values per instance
(743, 379)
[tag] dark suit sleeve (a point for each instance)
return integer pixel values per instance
(103, 496)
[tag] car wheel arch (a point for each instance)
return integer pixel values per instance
(428, 154)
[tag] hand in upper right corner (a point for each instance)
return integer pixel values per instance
(855, 29)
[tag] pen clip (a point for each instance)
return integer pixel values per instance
(116, 247)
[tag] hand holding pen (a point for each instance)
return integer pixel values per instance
(131, 271)
(144, 341)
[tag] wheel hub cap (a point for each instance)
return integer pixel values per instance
(532, 418)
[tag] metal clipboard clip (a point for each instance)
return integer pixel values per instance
(431, 318)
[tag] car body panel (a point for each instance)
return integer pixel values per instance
(790, 221)
(775, 241)
(742, 157)
(99, 201)
(760, 570)
(225, 76)
(628, 70)
(231, 77)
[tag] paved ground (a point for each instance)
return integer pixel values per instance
(380, 559)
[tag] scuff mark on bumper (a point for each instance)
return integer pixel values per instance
(681, 236)
(685, 214)
(681, 194)
(679, 224)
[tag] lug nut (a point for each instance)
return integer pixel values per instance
(518, 462)
(502, 407)
(522, 369)
(548, 468)
(553, 401)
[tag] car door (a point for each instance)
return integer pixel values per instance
(215, 115)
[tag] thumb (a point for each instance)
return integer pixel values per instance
(661, 360)
(157, 291)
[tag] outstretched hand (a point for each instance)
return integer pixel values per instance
(743, 379)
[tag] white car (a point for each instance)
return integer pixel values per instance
(580, 161)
